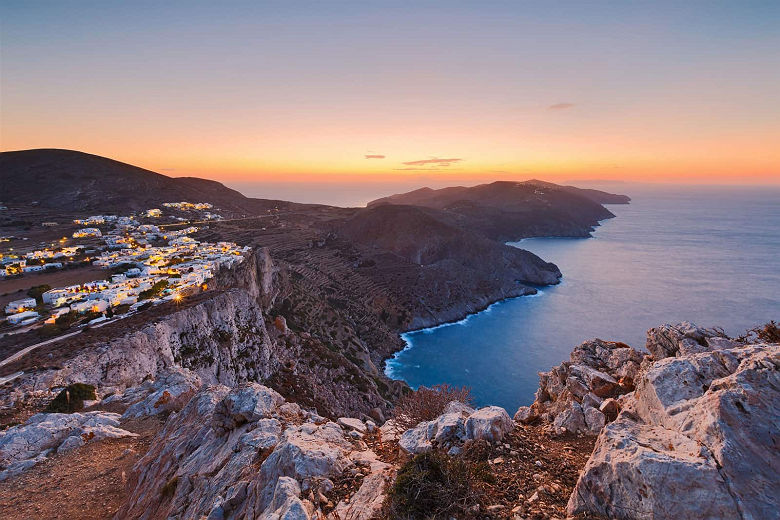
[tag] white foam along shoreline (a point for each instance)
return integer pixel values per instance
(393, 362)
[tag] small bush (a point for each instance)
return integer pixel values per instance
(434, 486)
(426, 404)
(155, 291)
(37, 292)
(72, 398)
(767, 333)
(65, 321)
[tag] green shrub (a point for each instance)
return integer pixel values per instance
(37, 292)
(65, 321)
(435, 486)
(155, 291)
(72, 398)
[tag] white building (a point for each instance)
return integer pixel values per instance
(16, 319)
(87, 232)
(82, 306)
(19, 306)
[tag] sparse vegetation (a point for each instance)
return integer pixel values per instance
(155, 291)
(37, 292)
(425, 404)
(766, 333)
(434, 486)
(71, 399)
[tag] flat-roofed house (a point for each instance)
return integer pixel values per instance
(18, 306)
(16, 319)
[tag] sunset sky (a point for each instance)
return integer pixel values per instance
(382, 91)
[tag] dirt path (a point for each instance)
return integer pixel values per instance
(87, 483)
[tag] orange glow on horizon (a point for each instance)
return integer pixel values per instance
(377, 93)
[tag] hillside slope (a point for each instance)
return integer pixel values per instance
(71, 180)
(512, 210)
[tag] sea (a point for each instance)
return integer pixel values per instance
(710, 255)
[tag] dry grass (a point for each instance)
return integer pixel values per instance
(426, 404)
(766, 333)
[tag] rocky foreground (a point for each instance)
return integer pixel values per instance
(686, 431)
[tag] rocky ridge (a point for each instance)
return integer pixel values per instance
(246, 453)
(689, 431)
(697, 438)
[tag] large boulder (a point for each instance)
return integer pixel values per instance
(25, 445)
(697, 439)
(240, 453)
(570, 395)
(490, 423)
(458, 424)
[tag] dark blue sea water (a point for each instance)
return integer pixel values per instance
(708, 255)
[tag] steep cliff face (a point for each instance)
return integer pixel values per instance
(227, 335)
(223, 339)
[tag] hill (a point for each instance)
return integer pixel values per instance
(512, 210)
(418, 236)
(75, 181)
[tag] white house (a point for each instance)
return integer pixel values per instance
(87, 232)
(19, 306)
(82, 306)
(56, 314)
(15, 319)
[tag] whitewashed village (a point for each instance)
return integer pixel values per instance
(145, 265)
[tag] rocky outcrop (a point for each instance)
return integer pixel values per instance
(23, 446)
(458, 424)
(222, 340)
(246, 453)
(578, 395)
(685, 338)
(697, 438)
(168, 392)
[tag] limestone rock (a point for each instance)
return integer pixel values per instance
(571, 420)
(457, 425)
(241, 453)
(597, 370)
(639, 471)
(490, 423)
(458, 407)
(525, 415)
(367, 503)
(246, 403)
(594, 419)
(684, 338)
(698, 439)
(168, 392)
(23, 446)
(418, 439)
(350, 423)
(610, 408)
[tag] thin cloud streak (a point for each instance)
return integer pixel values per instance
(434, 161)
(560, 106)
(375, 156)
